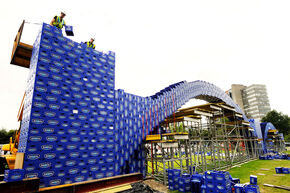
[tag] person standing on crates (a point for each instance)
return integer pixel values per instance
(90, 44)
(58, 21)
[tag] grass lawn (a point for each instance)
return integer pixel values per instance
(254, 168)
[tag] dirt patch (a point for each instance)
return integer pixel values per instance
(156, 185)
(141, 187)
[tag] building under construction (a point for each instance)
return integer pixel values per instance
(78, 132)
(201, 138)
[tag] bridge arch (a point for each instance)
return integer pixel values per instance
(174, 96)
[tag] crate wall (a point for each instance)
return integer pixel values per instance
(76, 126)
(67, 132)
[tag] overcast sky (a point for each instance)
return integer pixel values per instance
(158, 43)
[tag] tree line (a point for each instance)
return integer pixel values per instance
(280, 121)
(5, 135)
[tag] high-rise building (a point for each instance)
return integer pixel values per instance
(253, 99)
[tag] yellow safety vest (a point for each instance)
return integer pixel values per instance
(91, 45)
(57, 23)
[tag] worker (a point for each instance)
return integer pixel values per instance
(90, 44)
(58, 21)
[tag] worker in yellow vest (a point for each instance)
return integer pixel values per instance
(58, 21)
(90, 44)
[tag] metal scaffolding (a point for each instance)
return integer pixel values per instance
(206, 137)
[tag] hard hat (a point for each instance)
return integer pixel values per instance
(63, 12)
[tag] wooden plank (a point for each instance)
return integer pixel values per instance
(166, 145)
(93, 185)
(17, 40)
(199, 112)
(153, 137)
(20, 111)
(114, 189)
(280, 187)
(181, 137)
(21, 52)
(21, 62)
(19, 160)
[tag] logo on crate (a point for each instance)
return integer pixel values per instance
(40, 89)
(75, 75)
(75, 88)
(45, 60)
(55, 56)
(54, 106)
(36, 114)
(48, 130)
(39, 104)
(54, 182)
(76, 124)
(31, 175)
(30, 168)
(47, 147)
(51, 138)
(49, 155)
(31, 149)
(92, 161)
(75, 139)
(74, 154)
(51, 98)
(70, 163)
(49, 114)
(71, 146)
(35, 138)
(45, 165)
(73, 171)
(110, 146)
(56, 77)
(109, 160)
(55, 91)
(94, 153)
(109, 174)
(48, 33)
(60, 51)
(47, 174)
(99, 175)
(61, 173)
(16, 176)
(52, 122)
(58, 165)
(79, 178)
(33, 156)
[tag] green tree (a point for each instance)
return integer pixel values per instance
(279, 120)
(5, 136)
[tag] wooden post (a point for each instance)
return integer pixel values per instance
(19, 161)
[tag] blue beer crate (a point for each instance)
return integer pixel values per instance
(252, 189)
(196, 186)
(253, 180)
(278, 170)
(14, 175)
(239, 188)
(235, 180)
(286, 170)
(69, 30)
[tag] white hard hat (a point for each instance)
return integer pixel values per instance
(63, 12)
